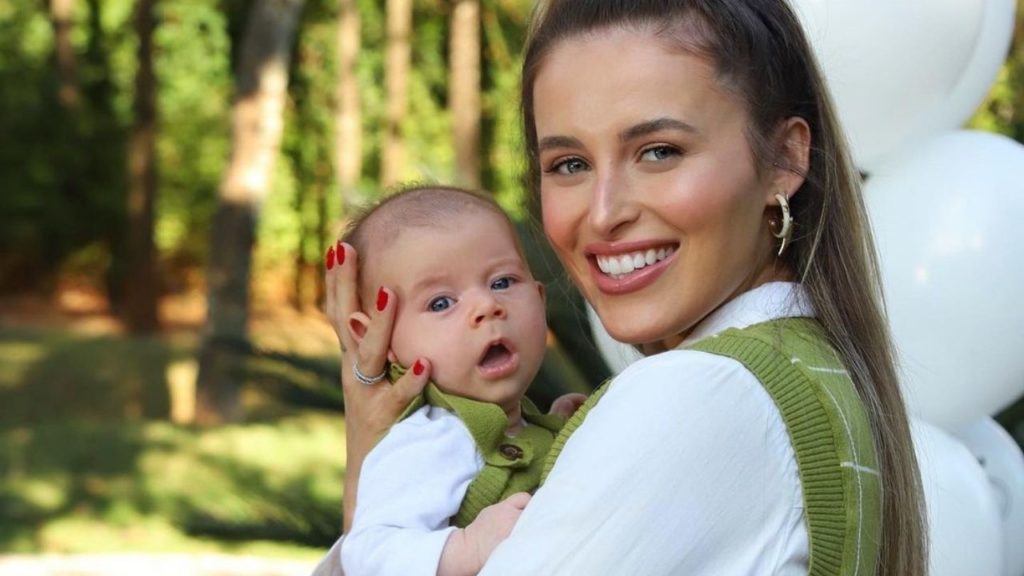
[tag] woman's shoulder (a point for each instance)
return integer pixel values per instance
(693, 393)
(683, 371)
(685, 423)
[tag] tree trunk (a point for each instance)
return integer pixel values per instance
(348, 122)
(299, 258)
(322, 236)
(397, 78)
(68, 94)
(464, 90)
(141, 287)
(257, 126)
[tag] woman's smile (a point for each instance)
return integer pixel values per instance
(621, 269)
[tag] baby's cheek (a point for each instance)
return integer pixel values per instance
(437, 341)
(405, 346)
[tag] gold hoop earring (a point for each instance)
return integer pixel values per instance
(785, 232)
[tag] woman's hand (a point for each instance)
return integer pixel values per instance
(370, 409)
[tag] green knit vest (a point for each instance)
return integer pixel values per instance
(828, 429)
(511, 464)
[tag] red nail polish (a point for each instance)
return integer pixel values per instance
(417, 368)
(330, 258)
(382, 299)
(340, 252)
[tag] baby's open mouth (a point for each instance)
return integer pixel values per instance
(499, 360)
(496, 355)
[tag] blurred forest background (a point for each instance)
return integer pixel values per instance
(171, 173)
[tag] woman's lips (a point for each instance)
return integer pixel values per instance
(629, 271)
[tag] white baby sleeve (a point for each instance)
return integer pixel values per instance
(410, 485)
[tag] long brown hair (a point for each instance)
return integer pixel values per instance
(761, 54)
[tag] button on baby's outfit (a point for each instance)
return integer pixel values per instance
(510, 451)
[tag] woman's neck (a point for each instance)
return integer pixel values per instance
(777, 272)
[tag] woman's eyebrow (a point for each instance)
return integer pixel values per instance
(635, 131)
(656, 125)
(548, 142)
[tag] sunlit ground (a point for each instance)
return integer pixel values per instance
(91, 462)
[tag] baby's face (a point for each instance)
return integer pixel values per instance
(468, 303)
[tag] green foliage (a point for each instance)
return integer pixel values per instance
(1003, 110)
(194, 77)
(62, 169)
(428, 127)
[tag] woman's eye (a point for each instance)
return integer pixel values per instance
(503, 283)
(441, 303)
(568, 166)
(656, 153)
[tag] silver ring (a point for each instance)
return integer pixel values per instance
(363, 378)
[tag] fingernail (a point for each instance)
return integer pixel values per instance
(330, 258)
(382, 299)
(340, 252)
(417, 368)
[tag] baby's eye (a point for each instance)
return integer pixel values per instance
(503, 283)
(661, 152)
(568, 166)
(440, 304)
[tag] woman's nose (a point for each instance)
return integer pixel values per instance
(612, 204)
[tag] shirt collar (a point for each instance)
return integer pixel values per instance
(768, 301)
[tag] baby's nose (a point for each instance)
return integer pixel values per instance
(489, 308)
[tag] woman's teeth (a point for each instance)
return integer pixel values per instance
(619, 266)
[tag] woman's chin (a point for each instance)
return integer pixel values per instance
(630, 329)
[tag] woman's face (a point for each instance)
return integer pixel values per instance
(649, 189)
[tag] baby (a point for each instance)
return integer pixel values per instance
(446, 484)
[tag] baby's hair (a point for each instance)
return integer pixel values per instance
(417, 206)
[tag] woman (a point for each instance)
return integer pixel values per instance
(693, 180)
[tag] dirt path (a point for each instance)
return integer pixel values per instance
(151, 565)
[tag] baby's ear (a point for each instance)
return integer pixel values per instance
(542, 290)
(357, 325)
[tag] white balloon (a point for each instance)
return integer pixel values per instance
(1003, 462)
(965, 536)
(990, 50)
(905, 70)
(947, 221)
(617, 355)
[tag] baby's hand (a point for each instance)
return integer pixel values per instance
(468, 549)
(567, 404)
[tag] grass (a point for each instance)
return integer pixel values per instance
(90, 463)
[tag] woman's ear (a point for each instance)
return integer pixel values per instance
(793, 160)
